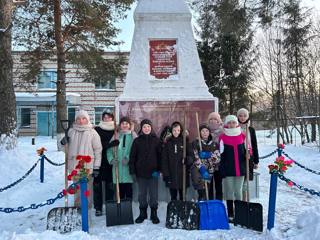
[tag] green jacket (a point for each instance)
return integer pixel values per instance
(125, 139)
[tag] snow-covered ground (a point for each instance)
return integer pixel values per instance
(297, 213)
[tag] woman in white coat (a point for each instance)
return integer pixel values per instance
(84, 140)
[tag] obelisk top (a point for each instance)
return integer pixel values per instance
(164, 62)
(147, 7)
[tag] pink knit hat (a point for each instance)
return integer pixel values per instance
(214, 115)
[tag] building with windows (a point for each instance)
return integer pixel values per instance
(36, 114)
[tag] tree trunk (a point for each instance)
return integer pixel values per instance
(8, 99)
(61, 107)
(231, 101)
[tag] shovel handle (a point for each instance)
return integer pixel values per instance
(199, 137)
(247, 163)
(66, 129)
(206, 188)
(184, 156)
(200, 148)
(115, 156)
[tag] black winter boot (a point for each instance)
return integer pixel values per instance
(230, 209)
(154, 217)
(142, 216)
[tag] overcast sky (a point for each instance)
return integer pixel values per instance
(127, 25)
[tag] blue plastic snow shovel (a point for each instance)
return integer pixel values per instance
(213, 215)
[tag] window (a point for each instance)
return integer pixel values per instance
(103, 84)
(25, 117)
(71, 113)
(47, 79)
(98, 113)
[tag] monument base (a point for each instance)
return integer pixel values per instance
(163, 113)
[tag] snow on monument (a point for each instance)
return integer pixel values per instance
(164, 77)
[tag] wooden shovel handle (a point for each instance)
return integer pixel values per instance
(116, 167)
(247, 162)
(184, 156)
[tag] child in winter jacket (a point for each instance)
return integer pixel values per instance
(105, 129)
(244, 121)
(216, 129)
(172, 156)
(233, 162)
(126, 137)
(145, 163)
(206, 161)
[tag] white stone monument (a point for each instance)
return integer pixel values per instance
(164, 77)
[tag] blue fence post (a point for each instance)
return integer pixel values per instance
(272, 200)
(84, 205)
(273, 196)
(42, 168)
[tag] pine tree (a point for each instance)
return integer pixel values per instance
(69, 31)
(225, 51)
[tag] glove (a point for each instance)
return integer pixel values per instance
(114, 162)
(204, 173)
(197, 162)
(64, 140)
(125, 161)
(155, 174)
(167, 179)
(95, 173)
(216, 157)
(204, 154)
(114, 143)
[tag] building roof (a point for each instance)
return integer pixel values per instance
(44, 98)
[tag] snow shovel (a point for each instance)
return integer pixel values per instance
(247, 214)
(65, 219)
(118, 212)
(212, 212)
(213, 215)
(183, 214)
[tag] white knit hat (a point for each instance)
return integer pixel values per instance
(244, 111)
(230, 118)
(82, 113)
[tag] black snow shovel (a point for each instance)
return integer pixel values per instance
(248, 214)
(65, 219)
(118, 212)
(183, 214)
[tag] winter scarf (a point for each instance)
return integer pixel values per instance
(244, 126)
(106, 125)
(216, 130)
(232, 131)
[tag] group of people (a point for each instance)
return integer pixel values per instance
(216, 162)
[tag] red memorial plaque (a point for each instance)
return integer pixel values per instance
(163, 113)
(163, 58)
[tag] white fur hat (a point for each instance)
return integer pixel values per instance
(244, 111)
(82, 113)
(230, 118)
